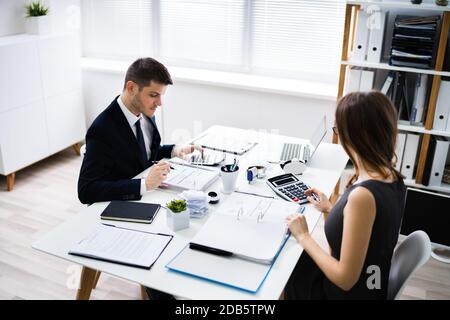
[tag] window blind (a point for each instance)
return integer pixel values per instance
(297, 38)
(202, 32)
(286, 38)
(117, 29)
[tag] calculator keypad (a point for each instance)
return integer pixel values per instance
(295, 191)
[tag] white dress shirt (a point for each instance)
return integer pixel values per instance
(147, 131)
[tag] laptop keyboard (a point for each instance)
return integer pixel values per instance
(293, 150)
(290, 151)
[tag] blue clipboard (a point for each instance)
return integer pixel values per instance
(229, 271)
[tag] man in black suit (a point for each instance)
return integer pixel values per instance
(124, 140)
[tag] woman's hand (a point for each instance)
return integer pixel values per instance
(298, 227)
(319, 200)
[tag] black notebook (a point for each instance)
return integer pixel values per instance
(131, 211)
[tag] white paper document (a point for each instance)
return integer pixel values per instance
(189, 177)
(248, 226)
(226, 143)
(120, 245)
(263, 240)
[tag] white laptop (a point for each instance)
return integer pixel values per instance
(302, 151)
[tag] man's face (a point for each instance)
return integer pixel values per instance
(148, 99)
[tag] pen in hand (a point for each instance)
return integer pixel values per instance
(154, 162)
(315, 196)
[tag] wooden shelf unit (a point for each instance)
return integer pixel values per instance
(351, 12)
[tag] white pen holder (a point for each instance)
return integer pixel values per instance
(229, 174)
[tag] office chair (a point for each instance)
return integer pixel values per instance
(83, 150)
(409, 256)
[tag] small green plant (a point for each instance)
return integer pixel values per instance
(177, 205)
(442, 2)
(36, 9)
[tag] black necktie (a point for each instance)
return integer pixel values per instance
(140, 140)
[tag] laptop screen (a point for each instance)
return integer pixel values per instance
(318, 135)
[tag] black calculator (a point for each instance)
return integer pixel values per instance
(289, 187)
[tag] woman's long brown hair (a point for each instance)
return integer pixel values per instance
(367, 124)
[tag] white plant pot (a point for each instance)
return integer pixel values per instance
(178, 221)
(38, 25)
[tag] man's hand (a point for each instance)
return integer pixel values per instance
(183, 151)
(156, 175)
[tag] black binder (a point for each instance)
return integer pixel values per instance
(131, 211)
(429, 161)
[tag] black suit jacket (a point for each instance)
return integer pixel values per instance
(112, 158)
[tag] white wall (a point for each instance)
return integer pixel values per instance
(191, 108)
(64, 15)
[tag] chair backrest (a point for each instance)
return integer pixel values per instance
(410, 255)
(83, 150)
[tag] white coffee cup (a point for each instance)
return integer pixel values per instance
(229, 178)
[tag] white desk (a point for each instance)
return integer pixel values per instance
(323, 173)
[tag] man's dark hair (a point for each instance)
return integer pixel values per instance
(145, 70)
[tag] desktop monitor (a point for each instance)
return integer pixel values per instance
(429, 211)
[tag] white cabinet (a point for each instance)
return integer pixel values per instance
(41, 105)
(64, 124)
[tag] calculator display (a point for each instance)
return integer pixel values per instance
(283, 181)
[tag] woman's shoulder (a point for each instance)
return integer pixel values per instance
(361, 203)
(361, 193)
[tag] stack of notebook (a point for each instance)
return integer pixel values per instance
(414, 41)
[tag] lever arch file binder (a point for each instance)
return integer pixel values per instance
(376, 36)
(410, 154)
(246, 254)
(361, 37)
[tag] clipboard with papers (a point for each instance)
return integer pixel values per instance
(185, 176)
(225, 143)
(241, 241)
(122, 245)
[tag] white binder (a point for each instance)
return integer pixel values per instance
(399, 149)
(419, 98)
(353, 80)
(439, 159)
(388, 83)
(361, 37)
(377, 21)
(442, 107)
(230, 271)
(409, 156)
(366, 80)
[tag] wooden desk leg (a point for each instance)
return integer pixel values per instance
(97, 276)
(76, 147)
(86, 283)
(144, 294)
(10, 178)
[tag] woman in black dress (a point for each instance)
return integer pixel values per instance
(362, 227)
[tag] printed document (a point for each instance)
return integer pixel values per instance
(125, 246)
